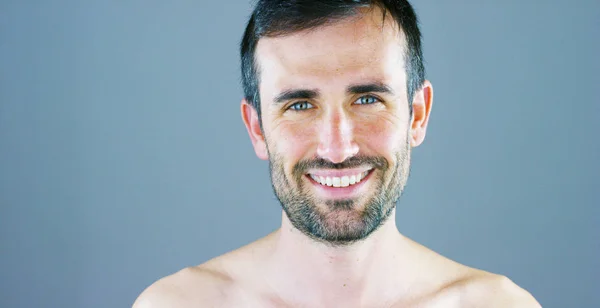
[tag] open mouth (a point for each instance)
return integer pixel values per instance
(340, 184)
(342, 181)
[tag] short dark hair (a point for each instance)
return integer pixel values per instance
(272, 18)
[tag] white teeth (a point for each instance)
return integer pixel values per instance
(353, 180)
(345, 181)
(361, 176)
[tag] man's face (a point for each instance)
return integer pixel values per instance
(336, 122)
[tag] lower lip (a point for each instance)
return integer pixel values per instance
(331, 192)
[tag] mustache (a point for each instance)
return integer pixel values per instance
(377, 162)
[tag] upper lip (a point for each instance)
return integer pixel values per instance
(338, 172)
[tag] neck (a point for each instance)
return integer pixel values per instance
(298, 265)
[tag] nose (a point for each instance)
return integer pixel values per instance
(336, 137)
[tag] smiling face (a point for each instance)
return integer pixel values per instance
(336, 125)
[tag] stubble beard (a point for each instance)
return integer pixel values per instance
(340, 222)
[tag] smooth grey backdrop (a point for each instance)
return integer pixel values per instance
(123, 157)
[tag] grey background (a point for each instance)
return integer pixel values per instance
(123, 157)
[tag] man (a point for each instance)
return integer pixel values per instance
(335, 99)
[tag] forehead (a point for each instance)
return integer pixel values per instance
(351, 50)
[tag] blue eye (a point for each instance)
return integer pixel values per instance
(367, 100)
(301, 106)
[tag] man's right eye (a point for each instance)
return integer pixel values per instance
(299, 106)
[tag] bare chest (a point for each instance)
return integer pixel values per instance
(446, 300)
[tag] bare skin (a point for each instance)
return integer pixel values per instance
(274, 271)
(287, 268)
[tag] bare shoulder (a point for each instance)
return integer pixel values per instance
(492, 290)
(202, 286)
(223, 281)
(458, 285)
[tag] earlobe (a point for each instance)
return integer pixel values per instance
(422, 101)
(252, 123)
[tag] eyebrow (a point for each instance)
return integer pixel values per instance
(296, 94)
(376, 87)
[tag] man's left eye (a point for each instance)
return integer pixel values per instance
(367, 100)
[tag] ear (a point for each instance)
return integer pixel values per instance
(250, 118)
(421, 105)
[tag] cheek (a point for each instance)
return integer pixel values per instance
(380, 137)
(294, 141)
(374, 135)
